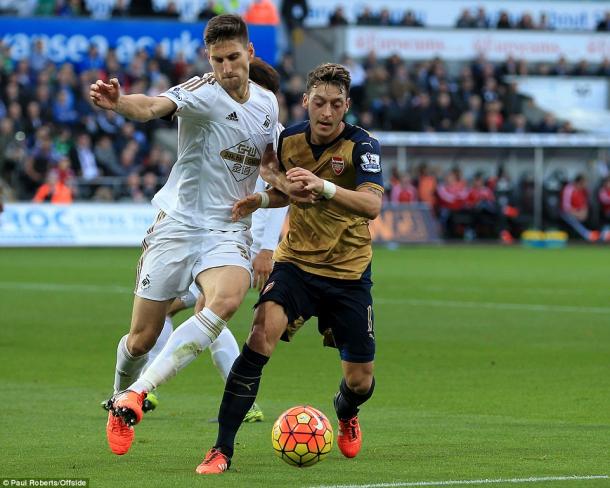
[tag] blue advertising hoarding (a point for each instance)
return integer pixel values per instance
(67, 40)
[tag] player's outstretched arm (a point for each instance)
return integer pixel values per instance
(251, 203)
(365, 202)
(136, 107)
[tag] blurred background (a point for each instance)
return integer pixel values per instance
(493, 116)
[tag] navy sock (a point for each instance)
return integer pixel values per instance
(347, 401)
(240, 392)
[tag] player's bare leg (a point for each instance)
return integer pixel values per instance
(356, 388)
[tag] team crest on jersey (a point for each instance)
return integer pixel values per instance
(267, 122)
(337, 164)
(242, 159)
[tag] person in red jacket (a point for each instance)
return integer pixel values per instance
(575, 207)
(451, 198)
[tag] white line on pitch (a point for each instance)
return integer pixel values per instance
(528, 307)
(62, 287)
(540, 479)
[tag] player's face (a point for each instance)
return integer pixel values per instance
(230, 61)
(326, 105)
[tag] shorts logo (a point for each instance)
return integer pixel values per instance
(370, 163)
(145, 283)
(267, 122)
(268, 287)
(337, 164)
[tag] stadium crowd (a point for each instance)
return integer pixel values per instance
(55, 146)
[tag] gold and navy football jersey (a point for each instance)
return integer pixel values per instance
(324, 238)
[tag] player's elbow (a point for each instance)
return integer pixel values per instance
(373, 210)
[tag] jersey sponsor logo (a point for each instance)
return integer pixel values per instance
(337, 164)
(242, 159)
(267, 122)
(370, 163)
(232, 117)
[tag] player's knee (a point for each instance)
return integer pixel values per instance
(359, 382)
(225, 307)
(139, 344)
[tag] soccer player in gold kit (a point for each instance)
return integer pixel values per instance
(323, 264)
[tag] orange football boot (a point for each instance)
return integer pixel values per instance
(349, 438)
(119, 435)
(125, 411)
(215, 462)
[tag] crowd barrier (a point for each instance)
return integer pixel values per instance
(124, 225)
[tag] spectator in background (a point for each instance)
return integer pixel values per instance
(543, 22)
(37, 163)
(337, 17)
(83, 159)
(465, 20)
(603, 196)
(526, 22)
(575, 207)
(262, 12)
(409, 20)
(403, 191)
(53, 191)
(504, 21)
(294, 13)
(480, 20)
(452, 194)
(132, 189)
(604, 24)
(367, 17)
(426, 185)
(481, 204)
(385, 18)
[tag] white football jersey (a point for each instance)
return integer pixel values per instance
(220, 146)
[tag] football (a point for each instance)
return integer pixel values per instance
(302, 436)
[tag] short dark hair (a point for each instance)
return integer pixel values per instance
(264, 75)
(332, 73)
(225, 27)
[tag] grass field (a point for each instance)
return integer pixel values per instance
(493, 363)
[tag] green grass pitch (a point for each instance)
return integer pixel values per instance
(492, 363)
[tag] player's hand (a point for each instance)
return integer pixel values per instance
(262, 265)
(310, 181)
(245, 207)
(105, 95)
(297, 192)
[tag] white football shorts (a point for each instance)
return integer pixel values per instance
(174, 253)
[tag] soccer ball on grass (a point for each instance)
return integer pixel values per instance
(302, 436)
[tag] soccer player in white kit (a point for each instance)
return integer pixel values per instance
(225, 123)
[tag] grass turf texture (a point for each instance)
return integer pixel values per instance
(492, 363)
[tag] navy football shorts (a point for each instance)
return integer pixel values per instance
(345, 307)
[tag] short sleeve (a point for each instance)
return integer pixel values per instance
(366, 157)
(193, 98)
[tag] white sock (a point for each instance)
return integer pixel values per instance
(168, 328)
(224, 352)
(128, 367)
(183, 346)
